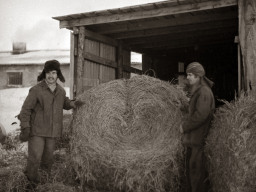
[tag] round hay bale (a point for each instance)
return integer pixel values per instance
(55, 187)
(231, 147)
(126, 135)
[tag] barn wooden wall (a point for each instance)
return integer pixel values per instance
(96, 59)
(247, 38)
(95, 73)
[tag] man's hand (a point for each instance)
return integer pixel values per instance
(24, 134)
(78, 103)
(181, 129)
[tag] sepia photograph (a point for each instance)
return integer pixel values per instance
(128, 96)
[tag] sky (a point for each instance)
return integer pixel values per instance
(30, 21)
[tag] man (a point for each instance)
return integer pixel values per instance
(41, 119)
(196, 126)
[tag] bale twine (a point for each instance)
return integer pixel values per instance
(126, 136)
(231, 147)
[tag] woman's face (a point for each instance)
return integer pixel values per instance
(51, 77)
(192, 79)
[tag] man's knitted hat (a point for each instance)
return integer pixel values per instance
(195, 68)
(50, 66)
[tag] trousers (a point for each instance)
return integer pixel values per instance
(40, 155)
(197, 172)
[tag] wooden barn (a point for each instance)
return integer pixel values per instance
(220, 34)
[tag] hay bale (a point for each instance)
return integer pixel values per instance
(126, 136)
(55, 187)
(231, 147)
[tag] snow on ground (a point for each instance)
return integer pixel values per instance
(11, 101)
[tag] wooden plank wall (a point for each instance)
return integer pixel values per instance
(247, 38)
(97, 59)
(107, 73)
(95, 73)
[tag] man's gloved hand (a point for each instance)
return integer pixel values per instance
(24, 134)
(78, 103)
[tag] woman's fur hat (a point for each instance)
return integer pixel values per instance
(50, 66)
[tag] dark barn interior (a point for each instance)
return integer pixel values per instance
(219, 61)
(171, 32)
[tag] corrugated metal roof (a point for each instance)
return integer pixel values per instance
(35, 57)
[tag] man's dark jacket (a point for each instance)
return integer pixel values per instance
(201, 109)
(42, 110)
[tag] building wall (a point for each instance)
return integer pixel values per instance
(29, 74)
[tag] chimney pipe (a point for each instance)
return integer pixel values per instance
(18, 48)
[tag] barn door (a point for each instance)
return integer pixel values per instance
(247, 39)
(93, 59)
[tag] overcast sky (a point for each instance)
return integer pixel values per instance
(31, 21)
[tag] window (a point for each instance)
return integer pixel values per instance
(14, 78)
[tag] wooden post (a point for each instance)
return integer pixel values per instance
(120, 61)
(80, 60)
(247, 38)
(242, 40)
(73, 58)
(238, 65)
(239, 70)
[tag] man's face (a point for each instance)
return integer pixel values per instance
(51, 77)
(192, 79)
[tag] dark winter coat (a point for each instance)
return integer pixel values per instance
(201, 109)
(42, 110)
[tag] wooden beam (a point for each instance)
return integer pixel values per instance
(176, 29)
(166, 49)
(101, 38)
(182, 42)
(185, 19)
(100, 60)
(180, 35)
(131, 69)
(144, 14)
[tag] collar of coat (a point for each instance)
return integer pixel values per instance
(202, 82)
(45, 86)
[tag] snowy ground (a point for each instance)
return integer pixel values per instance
(11, 101)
